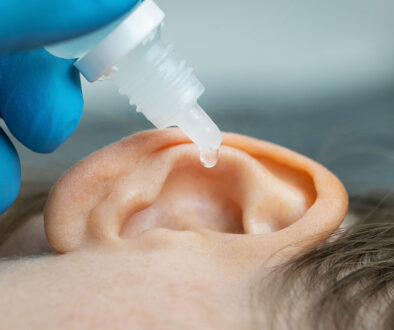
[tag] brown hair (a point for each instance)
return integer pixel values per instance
(346, 282)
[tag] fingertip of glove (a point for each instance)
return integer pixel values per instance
(10, 172)
(41, 101)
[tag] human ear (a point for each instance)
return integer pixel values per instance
(260, 198)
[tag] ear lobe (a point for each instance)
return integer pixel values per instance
(154, 179)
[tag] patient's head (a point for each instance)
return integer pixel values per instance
(147, 238)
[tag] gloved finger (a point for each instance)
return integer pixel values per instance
(32, 23)
(40, 98)
(10, 172)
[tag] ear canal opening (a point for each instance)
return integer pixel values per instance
(225, 199)
(190, 199)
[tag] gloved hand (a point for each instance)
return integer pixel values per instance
(40, 95)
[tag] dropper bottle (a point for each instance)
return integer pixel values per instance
(130, 52)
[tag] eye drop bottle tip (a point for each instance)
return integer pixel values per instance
(200, 128)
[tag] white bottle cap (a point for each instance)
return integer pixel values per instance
(128, 35)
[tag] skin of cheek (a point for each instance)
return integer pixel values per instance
(117, 288)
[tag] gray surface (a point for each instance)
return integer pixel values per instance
(314, 76)
(352, 137)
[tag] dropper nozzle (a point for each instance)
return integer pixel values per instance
(200, 128)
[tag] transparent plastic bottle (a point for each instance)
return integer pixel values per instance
(131, 53)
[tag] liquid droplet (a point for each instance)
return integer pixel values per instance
(209, 158)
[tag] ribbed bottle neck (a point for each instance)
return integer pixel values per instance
(156, 81)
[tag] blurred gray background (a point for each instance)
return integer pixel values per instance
(314, 76)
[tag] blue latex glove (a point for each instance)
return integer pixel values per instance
(40, 95)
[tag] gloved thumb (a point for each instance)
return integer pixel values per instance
(34, 23)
